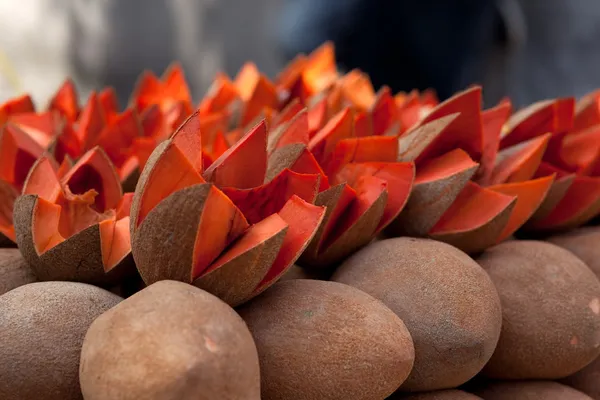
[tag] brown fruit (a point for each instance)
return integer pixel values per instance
(583, 242)
(450, 394)
(530, 390)
(447, 301)
(169, 341)
(550, 307)
(324, 340)
(42, 326)
(586, 380)
(14, 271)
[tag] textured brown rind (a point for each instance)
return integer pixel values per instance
(355, 237)
(413, 143)
(447, 302)
(450, 394)
(78, 259)
(427, 203)
(14, 270)
(584, 243)
(42, 326)
(550, 308)
(477, 240)
(235, 281)
(530, 390)
(368, 357)
(282, 158)
(586, 380)
(171, 341)
(163, 245)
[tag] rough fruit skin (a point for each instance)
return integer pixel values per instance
(324, 340)
(447, 302)
(583, 242)
(450, 394)
(550, 307)
(530, 390)
(586, 380)
(171, 340)
(42, 326)
(14, 270)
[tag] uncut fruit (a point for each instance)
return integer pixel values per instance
(586, 380)
(583, 242)
(14, 271)
(72, 221)
(325, 340)
(550, 309)
(449, 394)
(169, 341)
(447, 302)
(530, 390)
(42, 326)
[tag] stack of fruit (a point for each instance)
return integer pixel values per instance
(302, 238)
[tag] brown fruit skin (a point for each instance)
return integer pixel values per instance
(449, 394)
(586, 380)
(324, 340)
(14, 270)
(550, 308)
(169, 341)
(584, 243)
(447, 302)
(42, 326)
(530, 390)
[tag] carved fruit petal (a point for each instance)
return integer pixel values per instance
(437, 184)
(529, 194)
(90, 123)
(244, 165)
(493, 119)
(383, 112)
(297, 158)
(339, 127)
(188, 138)
(115, 241)
(580, 204)
(519, 162)
(399, 178)
(41, 127)
(234, 276)
(258, 203)
(43, 180)
(65, 101)
(303, 220)
(587, 111)
(365, 149)
(293, 131)
(414, 143)
(470, 226)
(466, 131)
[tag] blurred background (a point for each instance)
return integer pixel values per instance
(525, 49)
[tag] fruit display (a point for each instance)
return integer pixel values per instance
(302, 237)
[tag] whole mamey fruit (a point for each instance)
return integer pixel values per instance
(586, 380)
(447, 301)
(171, 340)
(583, 242)
(14, 270)
(449, 394)
(42, 326)
(551, 311)
(529, 390)
(324, 340)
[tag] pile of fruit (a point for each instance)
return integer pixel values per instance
(305, 237)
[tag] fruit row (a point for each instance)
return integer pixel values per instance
(311, 175)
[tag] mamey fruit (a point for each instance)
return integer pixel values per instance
(447, 302)
(169, 341)
(325, 340)
(583, 242)
(235, 234)
(14, 271)
(72, 222)
(550, 310)
(529, 390)
(42, 326)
